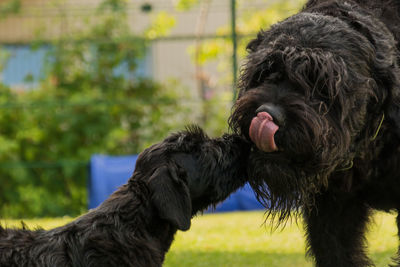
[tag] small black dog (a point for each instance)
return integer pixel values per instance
(135, 226)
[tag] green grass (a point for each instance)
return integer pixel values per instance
(241, 239)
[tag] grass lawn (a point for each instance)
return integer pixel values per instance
(241, 239)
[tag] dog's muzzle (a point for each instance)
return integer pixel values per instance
(275, 111)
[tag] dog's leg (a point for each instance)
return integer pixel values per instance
(335, 231)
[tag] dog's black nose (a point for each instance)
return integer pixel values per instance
(275, 111)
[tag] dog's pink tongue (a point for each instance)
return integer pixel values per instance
(262, 131)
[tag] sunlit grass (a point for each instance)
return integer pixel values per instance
(241, 239)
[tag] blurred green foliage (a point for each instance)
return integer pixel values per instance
(9, 7)
(83, 106)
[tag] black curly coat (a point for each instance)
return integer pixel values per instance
(329, 79)
(136, 224)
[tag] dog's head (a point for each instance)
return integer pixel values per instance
(313, 92)
(177, 185)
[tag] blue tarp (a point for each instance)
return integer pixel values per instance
(107, 173)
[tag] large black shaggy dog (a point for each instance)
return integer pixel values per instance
(319, 113)
(136, 225)
(319, 100)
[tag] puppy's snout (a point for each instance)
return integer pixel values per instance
(275, 111)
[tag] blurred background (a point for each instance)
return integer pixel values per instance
(111, 77)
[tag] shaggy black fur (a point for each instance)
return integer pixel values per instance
(136, 224)
(331, 74)
(329, 77)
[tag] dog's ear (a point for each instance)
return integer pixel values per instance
(170, 196)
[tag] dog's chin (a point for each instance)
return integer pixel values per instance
(284, 158)
(283, 180)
